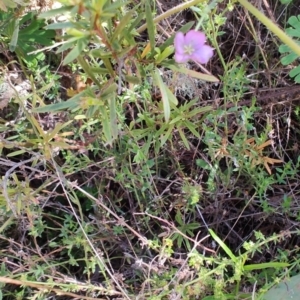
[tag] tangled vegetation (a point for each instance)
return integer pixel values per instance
(134, 166)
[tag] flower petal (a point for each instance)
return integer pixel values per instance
(195, 38)
(203, 54)
(181, 58)
(179, 42)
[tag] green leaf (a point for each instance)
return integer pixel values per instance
(61, 25)
(167, 135)
(108, 91)
(113, 117)
(284, 48)
(71, 104)
(265, 266)
(202, 164)
(293, 32)
(15, 153)
(77, 50)
(178, 218)
(14, 38)
(294, 72)
(288, 59)
(55, 107)
(66, 45)
(184, 139)
(26, 33)
(111, 8)
(166, 53)
(100, 53)
(88, 70)
(290, 56)
(223, 245)
(136, 22)
(295, 22)
(58, 127)
(150, 24)
(119, 31)
(7, 3)
(201, 76)
(297, 78)
(106, 125)
(99, 70)
(164, 94)
(55, 12)
(171, 96)
(191, 128)
(132, 79)
(108, 65)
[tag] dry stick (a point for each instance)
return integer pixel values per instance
(271, 26)
(177, 230)
(250, 200)
(120, 220)
(269, 10)
(65, 183)
(186, 260)
(45, 287)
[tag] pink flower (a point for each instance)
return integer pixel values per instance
(192, 46)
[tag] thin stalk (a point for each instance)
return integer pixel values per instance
(271, 26)
(170, 12)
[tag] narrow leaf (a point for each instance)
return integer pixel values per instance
(132, 79)
(88, 70)
(171, 96)
(15, 153)
(166, 53)
(184, 139)
(265, 266)
(61, 25)
(14, 38)
(76, 51)
(150, 24)
(222, 245)
(164, 95)
(121, 27)
(58, 127)
(113, 117)
(194, 74)
(55, 12)
(106, 125)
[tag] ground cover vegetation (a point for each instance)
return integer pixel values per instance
(149, 149)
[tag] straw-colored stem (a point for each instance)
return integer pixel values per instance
(170, 12)
(271, 26)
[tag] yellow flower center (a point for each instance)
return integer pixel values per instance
(188, 49)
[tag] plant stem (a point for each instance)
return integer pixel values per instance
(271, 26)
(170, 12)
